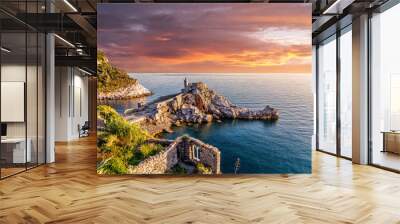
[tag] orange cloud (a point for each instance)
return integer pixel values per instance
(235, 38)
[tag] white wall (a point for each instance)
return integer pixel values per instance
(33, 126)
(62, 81)
(14, 73)
(71, 87)
(80, 94)
(11, 73)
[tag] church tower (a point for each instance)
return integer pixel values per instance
(185, 83)
(185, 86)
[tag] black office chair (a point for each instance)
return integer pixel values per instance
(84, 130)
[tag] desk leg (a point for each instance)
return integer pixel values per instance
(384, 142)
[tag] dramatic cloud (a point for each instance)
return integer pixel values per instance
(236, 37)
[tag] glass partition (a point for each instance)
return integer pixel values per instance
(22, 77)
(327, 95)
(13, 92)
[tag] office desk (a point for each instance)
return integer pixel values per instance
(13, 150)
(391, 141)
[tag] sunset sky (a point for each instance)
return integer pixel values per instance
(206, 38)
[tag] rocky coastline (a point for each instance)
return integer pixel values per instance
(133, 91)
(115, 84)
(195, 104)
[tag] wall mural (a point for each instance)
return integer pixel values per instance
(218, 88)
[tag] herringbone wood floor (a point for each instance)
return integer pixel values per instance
(69, 191)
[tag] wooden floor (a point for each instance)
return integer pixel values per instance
(387, 159)
(5, 172)
(69, 191)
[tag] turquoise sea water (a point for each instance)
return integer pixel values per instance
(283, 146)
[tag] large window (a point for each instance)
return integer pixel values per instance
(395, 102)
(346, 92)
(385, 89)
(327, 95)
(335, 73)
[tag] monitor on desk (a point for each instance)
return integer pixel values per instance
(3, 130)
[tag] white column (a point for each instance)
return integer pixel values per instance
(360, 90)
(50, 100)
(50, 92)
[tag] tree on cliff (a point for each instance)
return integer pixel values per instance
(111, 78)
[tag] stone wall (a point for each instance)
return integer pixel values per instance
(182, 146)
(209, 155)
(159, 163)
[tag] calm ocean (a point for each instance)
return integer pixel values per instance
(262, 146)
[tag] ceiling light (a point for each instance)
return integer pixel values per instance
(65, 41)
(338, 6)
(79, 51)
(84, 71)
(334, 5)
(5, 50)
(70, 5)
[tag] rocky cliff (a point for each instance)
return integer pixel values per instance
(114, 83)
(132, 91)
(195, 104)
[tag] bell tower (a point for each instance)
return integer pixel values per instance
(185, 83)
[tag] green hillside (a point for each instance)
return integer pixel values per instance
(120, 143)
(111, 78)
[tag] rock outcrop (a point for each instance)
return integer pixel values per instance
(133, 91)
(194, 105)
(116, 84)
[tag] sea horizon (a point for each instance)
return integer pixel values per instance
(211, 73)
